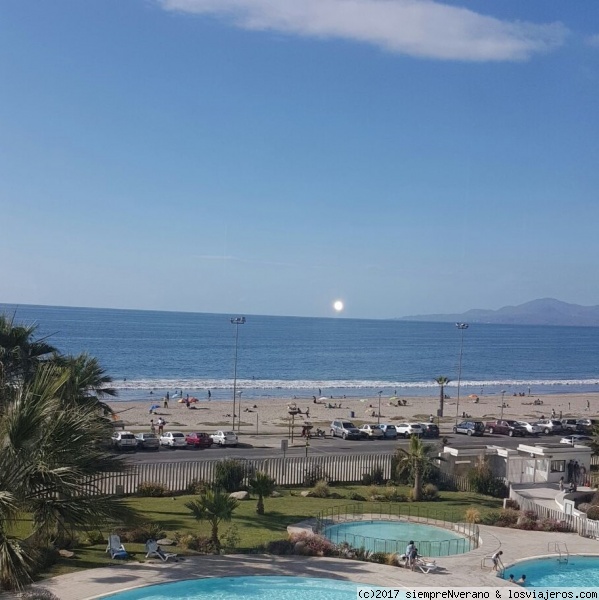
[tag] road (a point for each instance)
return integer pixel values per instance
(270, 446)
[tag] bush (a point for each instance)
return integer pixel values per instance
(280, 547)
(507, 517)
(375, 477)
(379, 557)
(491, 518)
(230, 474)
(140, 534)
(314, 474)
(38, 595)
(552, 525)
(199, 543)
(593, 513)
(312, 545)
(150, 489)
(197, 486)
(472, 515)
(230, 539)
(509, 503)
(430, 492)
(483, 481)
(94, 538)
(357, 497)
(321, 490)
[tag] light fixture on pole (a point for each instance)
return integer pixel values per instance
(237, 321)
(502, 403)
(378, 415)
(462, 327)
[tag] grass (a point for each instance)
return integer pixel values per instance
(255, 530)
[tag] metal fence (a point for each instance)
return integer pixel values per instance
(335, 523)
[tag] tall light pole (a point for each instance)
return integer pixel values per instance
(378, 415)
(502, 403)
(462, 327)
(237, 321)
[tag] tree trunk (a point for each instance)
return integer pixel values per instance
(260, 506)
(215, 540)
(417, 484)
(441, 400)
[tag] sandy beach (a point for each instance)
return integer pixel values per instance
(273, 415)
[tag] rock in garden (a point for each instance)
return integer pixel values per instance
(165, 542)
(240, 495)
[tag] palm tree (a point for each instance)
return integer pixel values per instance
(20, 353)
(442, 381)
(262, 485)
(214, 507)
(52, 462)
(418, 460)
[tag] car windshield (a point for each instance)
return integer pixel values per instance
(148, 436)
(230, 433)
(178, 435)
(127, 436)
(347, 425)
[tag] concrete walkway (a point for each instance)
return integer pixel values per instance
(455, 571)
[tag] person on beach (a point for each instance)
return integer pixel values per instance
(161, 424)
(209, 395)
(152, 426)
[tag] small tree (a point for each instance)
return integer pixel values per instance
(230, 474)
(483, 481)
(418, 460)
(214, 507)
(262, 485)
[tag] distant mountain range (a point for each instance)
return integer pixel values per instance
(546, 311)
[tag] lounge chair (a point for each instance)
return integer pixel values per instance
(115, 548)
(153, 549)
(425, 565)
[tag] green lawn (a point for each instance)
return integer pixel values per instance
(255, 530)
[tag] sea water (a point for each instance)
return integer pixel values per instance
(157, 351)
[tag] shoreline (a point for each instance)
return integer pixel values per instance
(272, 415)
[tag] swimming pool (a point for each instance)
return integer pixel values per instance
(237, 588)
(394, 536)
(579, 571)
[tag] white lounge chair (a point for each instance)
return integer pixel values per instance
(425, 565)
(115, 548)
(153, 549)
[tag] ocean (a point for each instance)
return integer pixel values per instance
(150, 352)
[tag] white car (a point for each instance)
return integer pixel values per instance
(531, 428)
(225, 438)
(173, 439)
(409, 429)
(576, 439)
(124, 440)
(372, 432)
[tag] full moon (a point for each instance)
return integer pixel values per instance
(338, 305)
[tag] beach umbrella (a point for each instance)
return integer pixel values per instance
(180, 401)
(474, 396)
(154, 406)
(192, 399)
(323, 398)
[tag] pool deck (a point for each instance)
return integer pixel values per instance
(470, 569)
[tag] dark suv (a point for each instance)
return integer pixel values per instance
(470, 428)
(429, 430)
(504, 427)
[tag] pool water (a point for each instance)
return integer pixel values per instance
(256, 588)
(394, 536)
(579, 571)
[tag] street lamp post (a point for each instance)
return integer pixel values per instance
(462, 327)
(237, 321)
(502, 403)
(378, 415)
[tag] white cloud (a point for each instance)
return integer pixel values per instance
(593, 40)
(421, 28)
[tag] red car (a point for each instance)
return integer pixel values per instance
(198, 440)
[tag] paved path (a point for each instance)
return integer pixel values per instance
(455, 571)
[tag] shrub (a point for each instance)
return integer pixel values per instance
(150, 489)
(552, 525)
(230, 539)
(593, 513)
(356, 496)
(230, 474)
(491, 518)
(584, 506)
(314, 474)
(141, 534)
(375, 477)
(472, 515)
(199, 543)
(507, 517)
(379, 557)
(281, 547)
(312, 545)
(595, 499)
(197, 486)
(38, 595)
(94, 537)
(321, 490)
(430, 492)
(483, 481)
(509, 503)
(530, 514)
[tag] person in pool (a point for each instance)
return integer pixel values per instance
(522, 580)
(511, 579)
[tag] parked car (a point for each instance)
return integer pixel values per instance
(123, 440)
(372, 432)
(531, 428)
(345, 430)
(173, 439)
(505, 427)
(550, 426)
(409, 429)
(576, 439)
(470, 428)
(198, 439)
(569, 424)
(430, 430)
(224, 438)
(586, 426)
(147, 441)
(389, 431)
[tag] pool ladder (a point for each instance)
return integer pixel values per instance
(560, 549)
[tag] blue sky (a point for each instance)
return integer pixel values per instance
(270, 157)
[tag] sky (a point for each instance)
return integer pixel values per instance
(274, 156)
